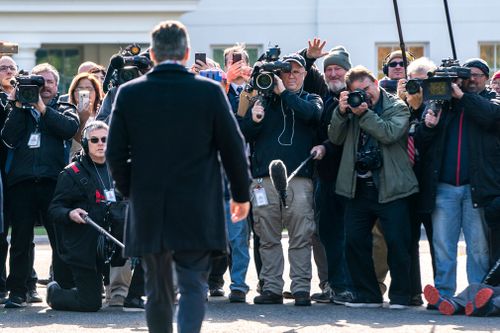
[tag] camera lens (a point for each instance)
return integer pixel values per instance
(412, 87)
(264, 81)
(28, 94)
(355, 99)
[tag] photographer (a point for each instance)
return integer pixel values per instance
(376, 176)
(37, 135)
(84, 188)
(329, 207)
(283, 126)
(459, 147)
(412, 94)
(394, 70)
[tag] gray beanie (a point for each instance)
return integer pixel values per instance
(338, 56)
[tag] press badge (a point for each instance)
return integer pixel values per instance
(110, 195)
(260, 196)
(34, 141)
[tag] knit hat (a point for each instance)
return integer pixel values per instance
(338, 56)
(295, 57)
(496, 75)
(480, 64)
(399, 54)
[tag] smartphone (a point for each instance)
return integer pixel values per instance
(8, 48)
(236, 57)
(200, 56)
(83, 99)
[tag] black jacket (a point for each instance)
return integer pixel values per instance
(287, 132)
(58, 125)
(482, 112)
(169, 132)
(77, 243)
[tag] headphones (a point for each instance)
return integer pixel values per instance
(85, 142)
(385, 67)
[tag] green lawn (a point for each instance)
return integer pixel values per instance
(40, 231)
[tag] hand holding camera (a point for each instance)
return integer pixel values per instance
(431, 118)
(401, 89)
(84, 104)
(279, 87)
(343, 106)
(257, 112)
(456, 92)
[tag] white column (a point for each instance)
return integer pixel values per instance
(26, 58)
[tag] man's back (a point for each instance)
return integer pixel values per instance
(175, 123)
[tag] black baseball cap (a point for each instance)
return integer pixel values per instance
(295, 57)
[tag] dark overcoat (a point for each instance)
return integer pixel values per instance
(169, 132)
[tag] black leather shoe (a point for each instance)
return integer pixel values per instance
(216, 292)
(14, 302)
(287, 295)
(302, 298)
(237, 296)
(33, 297)
(268, 297)
(416, 300)
(133, 304)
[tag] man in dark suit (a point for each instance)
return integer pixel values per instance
(168, 129)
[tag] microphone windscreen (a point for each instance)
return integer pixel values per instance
(277, 172)
(116, 61)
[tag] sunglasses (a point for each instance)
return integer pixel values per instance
(96, 140)
(395, 63)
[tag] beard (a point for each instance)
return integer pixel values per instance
(336, 86)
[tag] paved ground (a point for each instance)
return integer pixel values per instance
(225, 317)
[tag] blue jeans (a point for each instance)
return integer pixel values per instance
(454, 212)
(240, 257)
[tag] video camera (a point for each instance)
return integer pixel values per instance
(268, 64)
(125, 66)
(438, 86)
(27, 87)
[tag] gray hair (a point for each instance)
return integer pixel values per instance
(46, 67)
(169, 41)
(421, 65)
(93, 126)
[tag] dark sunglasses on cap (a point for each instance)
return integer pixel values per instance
(395, 63)
(96, 140)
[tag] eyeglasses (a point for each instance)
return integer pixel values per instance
(295, 73)
(5, 68)
(477, 75)
(96, 139)
(396, 63)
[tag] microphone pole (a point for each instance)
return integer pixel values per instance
(450, 30)
(100, 229)
(400, 33)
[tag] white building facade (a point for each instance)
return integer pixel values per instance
(68, 32)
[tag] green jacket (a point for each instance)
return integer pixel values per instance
(395, 179)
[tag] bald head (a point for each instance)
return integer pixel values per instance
(86, 66)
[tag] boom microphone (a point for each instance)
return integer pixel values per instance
(277, 172)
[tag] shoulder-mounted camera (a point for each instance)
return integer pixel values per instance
(27, 87)
(268, 64)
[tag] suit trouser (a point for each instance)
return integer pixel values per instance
(192, 270)
(361, 213)
(330, 208)
(298, 218)
(27, 202)
(85, 297)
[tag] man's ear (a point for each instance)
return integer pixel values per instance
(153, 56)
(186, 55)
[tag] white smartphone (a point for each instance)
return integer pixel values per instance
(83, 99)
